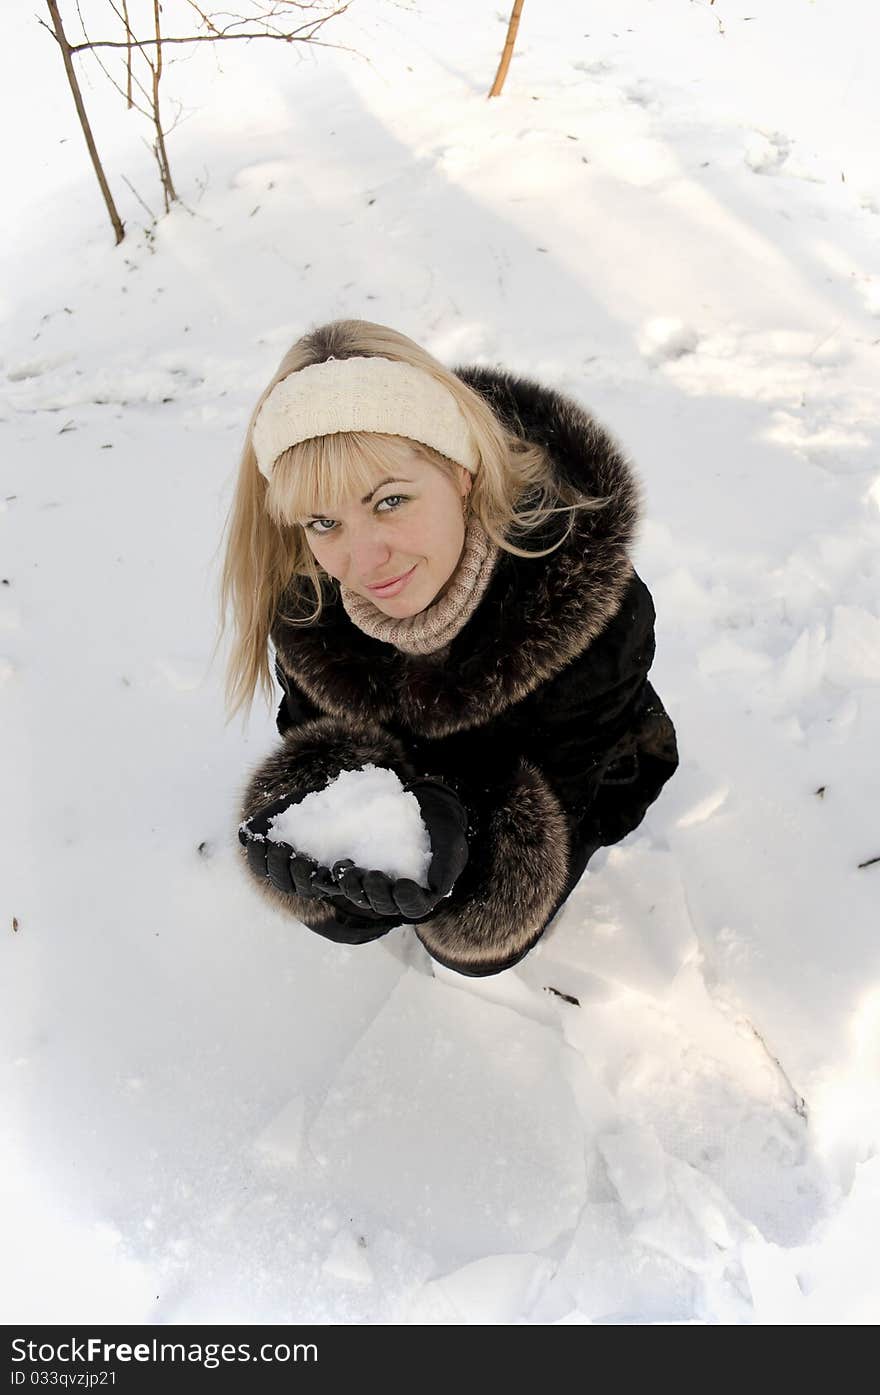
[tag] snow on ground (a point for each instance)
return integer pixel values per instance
(669, 1111)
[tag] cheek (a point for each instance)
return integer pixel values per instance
(321, 552)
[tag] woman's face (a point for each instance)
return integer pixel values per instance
(413, 523)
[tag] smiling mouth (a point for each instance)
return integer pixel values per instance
(393, 581)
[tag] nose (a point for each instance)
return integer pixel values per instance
(369, 555)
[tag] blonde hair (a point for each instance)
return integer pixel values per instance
(267, 552)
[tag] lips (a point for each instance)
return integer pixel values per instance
(380, 588)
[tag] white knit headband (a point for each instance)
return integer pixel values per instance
(361, 394)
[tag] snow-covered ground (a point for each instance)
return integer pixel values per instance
(669, 1112)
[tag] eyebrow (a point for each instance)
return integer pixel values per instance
(392, 479)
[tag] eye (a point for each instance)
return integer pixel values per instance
(390, 498)
(395, 499)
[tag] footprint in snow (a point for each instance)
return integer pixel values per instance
(767, 151)
(663, 339)
(640, 94)
(36, 367)
(596, 67)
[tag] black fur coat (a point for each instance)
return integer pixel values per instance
(541, 716)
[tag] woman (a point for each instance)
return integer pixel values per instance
(440, 559)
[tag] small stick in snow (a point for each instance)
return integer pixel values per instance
(565, 996)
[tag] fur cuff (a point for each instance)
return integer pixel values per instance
(516, 871)
(314, 753)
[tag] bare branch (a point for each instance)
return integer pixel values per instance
(188, 39)
(109, 76)
(297, 35)
(129, 35)
(49, 29)
(138, 197)
(208, 21)
(161, 153)
(118, 225)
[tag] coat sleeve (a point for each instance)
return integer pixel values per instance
(579, 761)
(604, 738)
(519, 848)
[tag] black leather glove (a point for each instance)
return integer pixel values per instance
(446, 820)
(287, 870)
(354, 892)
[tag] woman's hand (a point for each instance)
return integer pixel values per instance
(446, 820)
(351, 888)
(288, 870)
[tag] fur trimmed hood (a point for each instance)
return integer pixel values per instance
(536, 614)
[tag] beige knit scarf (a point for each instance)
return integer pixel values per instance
(431, 629)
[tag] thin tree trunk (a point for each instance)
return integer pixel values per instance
(118, 225)
(164, 167)
(127, 53)
(508, 49)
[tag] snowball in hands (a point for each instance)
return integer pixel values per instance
(365, 815)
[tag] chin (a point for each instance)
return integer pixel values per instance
(401, 606)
